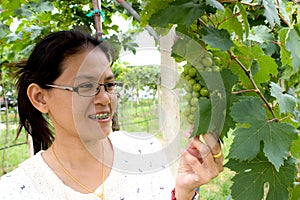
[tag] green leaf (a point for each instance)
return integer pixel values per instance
(229, 80)
(215, 4)
(293, 45)
(185, 13)
(152, 7)
(232, 23)
(202, 118)
(283, 10)
(45, 6)
(265, 68)
(285, 55)
(11, 4)
(287, 103)
(244, 18)
(295, 149)
(260, 34)
(217, 38)
(249, 182)
(188, 49)
(295, 193)
(276, 137)
(271, 12)
(23, 12)
(4, 30)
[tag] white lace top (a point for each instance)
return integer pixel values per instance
(129, 179)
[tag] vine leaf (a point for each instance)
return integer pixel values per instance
(260, 34)
(181, 13)
(271, 12)
(202, 117)
(244, 18)
(287, 103)
(254, 174)
(217, 38)
(285, 55)
(295, 149)
(295, 193)
(293, 45)
(215, 4)
(231, 23)
(276, 137)
(152, 7)
(11, 4)
(265, 65)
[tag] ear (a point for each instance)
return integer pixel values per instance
(36, 95)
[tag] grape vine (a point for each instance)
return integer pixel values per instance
(254, 47)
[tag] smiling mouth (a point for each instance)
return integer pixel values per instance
(100, 116)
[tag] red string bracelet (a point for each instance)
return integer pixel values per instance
(195, 197)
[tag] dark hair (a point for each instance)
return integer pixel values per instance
(44, 66)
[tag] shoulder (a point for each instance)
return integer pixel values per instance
(13, 183)
(17, 184)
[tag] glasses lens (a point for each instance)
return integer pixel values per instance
(88, 89)
(114, 88)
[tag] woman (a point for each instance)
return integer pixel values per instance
(67, 95)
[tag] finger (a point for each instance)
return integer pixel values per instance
(202, 174)
(212, 140)
(202, 149)
(206, 152)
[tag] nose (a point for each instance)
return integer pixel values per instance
(102, 97)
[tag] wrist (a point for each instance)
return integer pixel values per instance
(184, 195)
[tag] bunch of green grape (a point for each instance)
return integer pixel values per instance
(194, 85)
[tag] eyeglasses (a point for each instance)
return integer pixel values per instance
(90, 89)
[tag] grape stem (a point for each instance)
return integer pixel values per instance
(244, 91)
(247, 72)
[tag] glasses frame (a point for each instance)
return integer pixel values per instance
(76, 88)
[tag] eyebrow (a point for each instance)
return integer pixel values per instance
(108, 78)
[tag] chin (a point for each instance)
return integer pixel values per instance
(105, 130)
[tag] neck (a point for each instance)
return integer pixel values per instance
(87, 168)
(74, 152)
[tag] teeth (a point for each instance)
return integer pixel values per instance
(99, 116)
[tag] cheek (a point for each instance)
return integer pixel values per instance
(114, 103)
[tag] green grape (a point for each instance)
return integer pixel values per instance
(194, 101)
(187, 68)
(216, 68)
(195, 94)
(191, 118)
(207, 62)
(187, 112)
(192, 82)
(208, 69)
(193, 109)
(187, 77)
(199, 67)
(187, 88)
(188, 96)
(208, 54)
(192, 72)
(204, 92)
(196, 87)
(217, 60)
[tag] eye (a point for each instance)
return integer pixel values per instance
(87, 86)
(110, 86)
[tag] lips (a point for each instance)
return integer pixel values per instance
(100, 116)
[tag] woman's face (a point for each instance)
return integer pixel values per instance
(75, 115)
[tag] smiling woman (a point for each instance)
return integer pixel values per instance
(67, 82)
